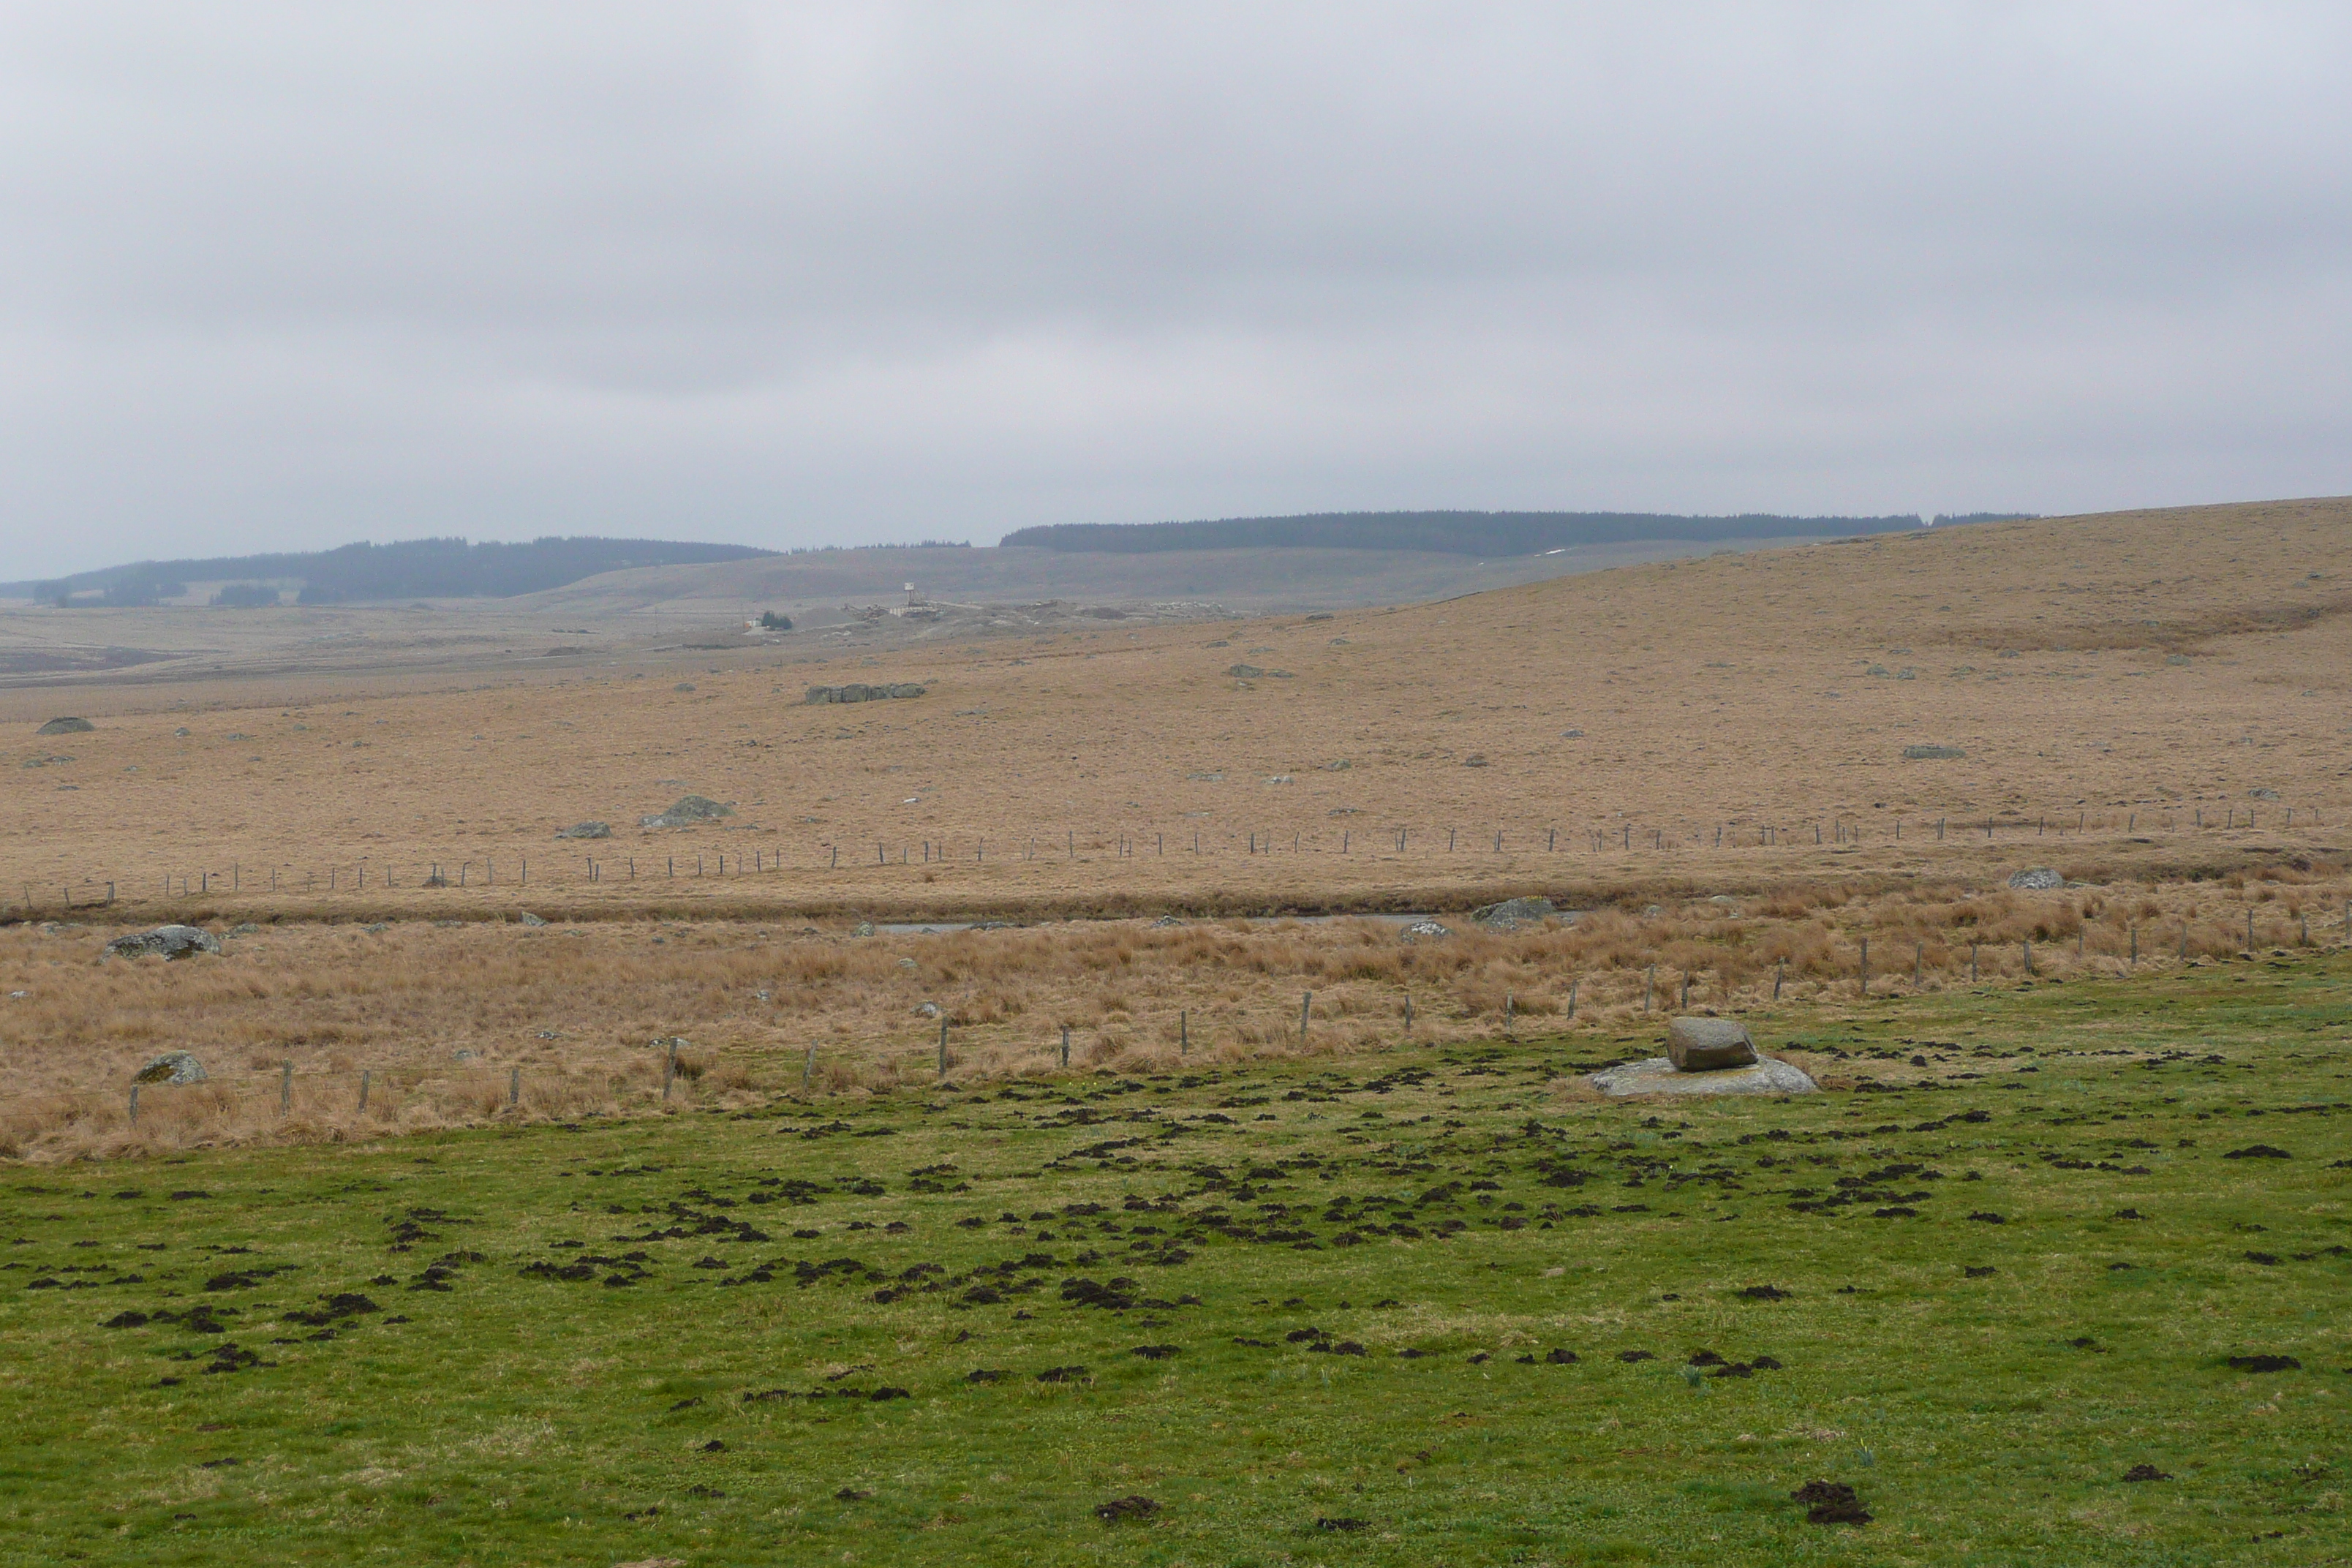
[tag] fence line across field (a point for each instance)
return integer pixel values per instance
(413, 1079)
(1119, 844)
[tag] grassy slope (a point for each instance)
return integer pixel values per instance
(1990, 1419)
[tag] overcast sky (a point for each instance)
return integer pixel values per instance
(281, 276)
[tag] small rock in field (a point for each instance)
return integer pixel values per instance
(2036, 879)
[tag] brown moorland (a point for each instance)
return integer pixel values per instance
(2152, 703)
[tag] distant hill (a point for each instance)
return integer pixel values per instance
(411, 569)
(1484, 534)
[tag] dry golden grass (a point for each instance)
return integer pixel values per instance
(2123, 673)
(579, 1011)
(2122, 686)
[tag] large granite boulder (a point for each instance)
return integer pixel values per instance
(2038, 878)
(1657, 1075)
(164, 942)
(1709, 1045)
(66, 727)
(1515, 914)
(690, 810)
(171, 1067)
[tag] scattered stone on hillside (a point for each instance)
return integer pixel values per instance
(1571, 735)
(1710, 1045)
(171, 1067)
(2263, 795)
(1166, 921)
(1512, 914)
(67, 726)
(1341, 767)
(1244, 672)
(690, 810)
(1933, 753)
(54, 759)
(863, 928)
(242, 928)
(166, 941)
(858, 692)
(527, 918)
(927, 1010)
(586, 830)
(1426, 930)
(2037, 879)
(683, 685)
(1658, 1075)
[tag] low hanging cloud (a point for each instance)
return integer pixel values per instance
(277, 277)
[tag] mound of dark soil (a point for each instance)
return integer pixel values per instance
(1126, 1508)
(1831, 1502)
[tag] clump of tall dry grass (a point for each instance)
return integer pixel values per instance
(460, 1025)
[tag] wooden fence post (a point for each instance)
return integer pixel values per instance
(1865, 966)
(1972, 964)
(1065, 1045)
(1779, 973)
(1507, 1012)
(1184, 1032)
(1918, 959)
(1304, 1003)
(808, 1069)
(365, 1075)
(514, 1087)
(944, 1044)
(286, 1088)
(1649, 984)
(670, 1067)
(134, 1105)
(2029, 955)
(2134, 944)
(1571, 1003)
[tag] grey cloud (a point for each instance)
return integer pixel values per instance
(786, 274)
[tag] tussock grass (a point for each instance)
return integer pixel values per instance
(442, 1018)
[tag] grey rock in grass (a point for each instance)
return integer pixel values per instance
(243, 928)
(164, 942)
(1933, 753)
(1426, 930)
(863, 928)
(1657, 1075)
(2262, 794)
(66, 727)
(856, 691)
(2038, 879)
(1710, 1045)
(1515, 914)
(527, 918)
(586, 830)
(171, 1067)
(1244, 672)
(690, 810)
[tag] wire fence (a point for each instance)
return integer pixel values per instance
(28, 897)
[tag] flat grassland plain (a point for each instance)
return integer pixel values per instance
(1708, 756)
(441, 1265)
(2070, 1294)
